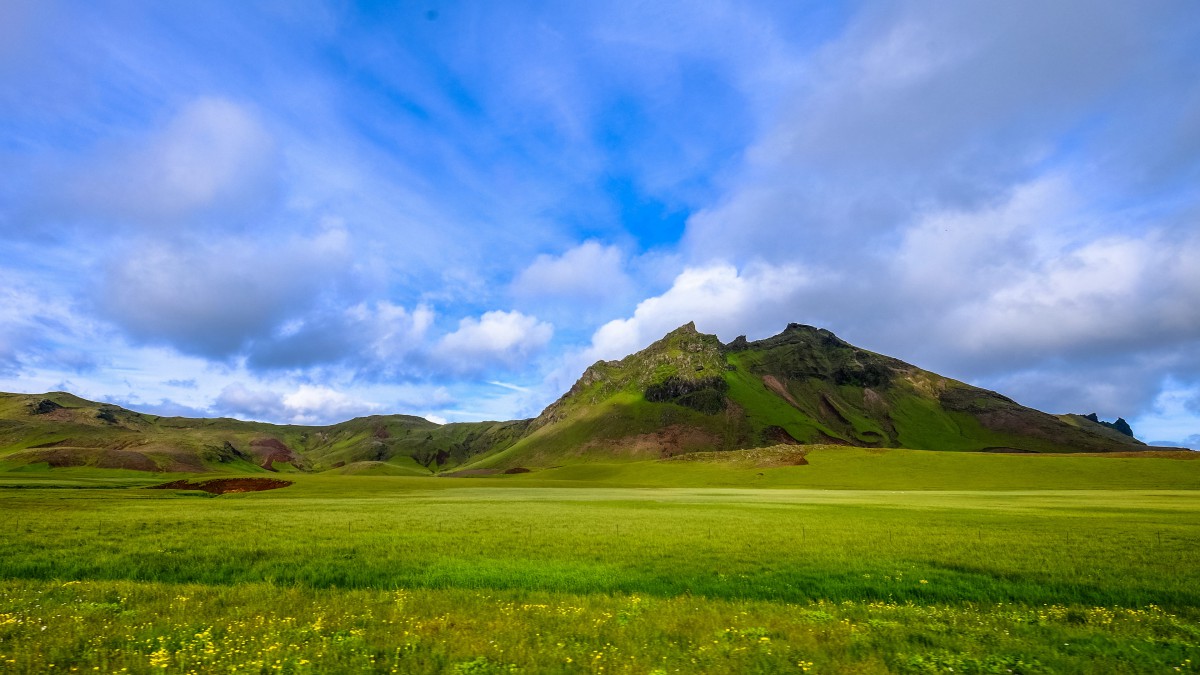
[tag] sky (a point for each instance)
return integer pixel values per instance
(308, 211)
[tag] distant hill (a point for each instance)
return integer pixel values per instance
(61, 430)
(685, 393)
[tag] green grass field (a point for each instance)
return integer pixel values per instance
(919, 562)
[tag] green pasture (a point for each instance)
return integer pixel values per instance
(642, 567)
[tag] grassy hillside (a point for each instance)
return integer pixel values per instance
(685, 393)
(689, 393)
(849, 468)
(58, 430)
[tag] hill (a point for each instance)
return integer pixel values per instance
(685, 393)
(688, 392)
(62, 430)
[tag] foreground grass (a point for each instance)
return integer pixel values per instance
(154, 628)
(444, 575)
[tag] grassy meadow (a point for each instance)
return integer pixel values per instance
(859, 561)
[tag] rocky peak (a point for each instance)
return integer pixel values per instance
(1120, 425)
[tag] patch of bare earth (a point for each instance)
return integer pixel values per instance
(221, 486)
(776, 386)
(100, 458)
(772, 456)
(270, 450)
(472, 473)
(668, 441)
(120, 455)
(873, 400)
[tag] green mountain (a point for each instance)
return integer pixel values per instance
(686, 393)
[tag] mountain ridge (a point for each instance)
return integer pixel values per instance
(686, 392)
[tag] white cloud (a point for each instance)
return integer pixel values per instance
(212, 297)
(719, 298)
(378, 339)
(978, 248)
(1173, 415)
(312, 404)
(758, 301)
(307, 404)
(1116, 292)
(587, 274)
(400, 329)
(509, 386)
(39, 329)
(214, 156)
(927, 106)
(497, 338)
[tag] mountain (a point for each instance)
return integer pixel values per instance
(688, 392)
(685, 393)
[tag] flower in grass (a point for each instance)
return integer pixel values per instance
(160, 658)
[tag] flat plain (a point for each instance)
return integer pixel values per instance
(859, 561)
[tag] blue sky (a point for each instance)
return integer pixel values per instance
(307, 211)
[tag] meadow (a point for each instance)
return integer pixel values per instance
(612, 568)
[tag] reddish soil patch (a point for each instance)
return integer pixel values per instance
(220, 486)
(517, 469)
(773, 456)
(100, 458)
(471, 473)
(668, 441)
(270, 450)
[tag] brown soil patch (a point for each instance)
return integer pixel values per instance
(829, 410)
(220, 486)
(62, 457)
(270, 450)
(471, 473)
(517, 469)
(776, 386)
(772, 456)
(668, 441)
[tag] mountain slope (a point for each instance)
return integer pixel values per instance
(61, 430)
(685, 393)
(688, 393)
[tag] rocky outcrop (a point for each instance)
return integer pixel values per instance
(1120, 425)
